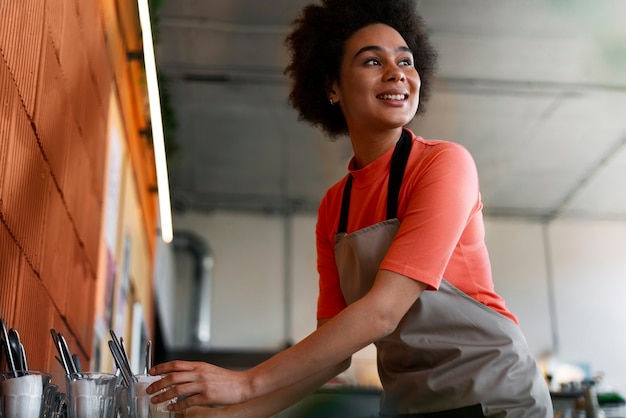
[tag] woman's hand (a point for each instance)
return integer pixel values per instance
(198, 384)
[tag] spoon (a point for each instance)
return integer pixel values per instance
(17, 348)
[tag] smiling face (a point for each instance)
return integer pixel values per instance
(378, 86)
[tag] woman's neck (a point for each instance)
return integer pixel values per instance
(367, 147)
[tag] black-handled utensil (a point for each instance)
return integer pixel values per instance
(7, 349)
(17, 350)
(76, 361)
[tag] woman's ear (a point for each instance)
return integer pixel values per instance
(331, 91)
(333, 97)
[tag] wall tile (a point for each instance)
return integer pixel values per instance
(21, 33)
(25, 189)
(57, 250)
(54, 22)
(10, 260)
(33, 319)
(52, 114)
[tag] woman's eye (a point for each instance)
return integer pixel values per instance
(407, 62)
(372, 61)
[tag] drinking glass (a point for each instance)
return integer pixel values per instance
(91, 394)
(22, 395)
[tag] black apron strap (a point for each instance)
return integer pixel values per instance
(345, 206)
(396, 173)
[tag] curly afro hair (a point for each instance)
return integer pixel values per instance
(316, 47)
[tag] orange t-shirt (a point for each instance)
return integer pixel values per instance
(441, 233)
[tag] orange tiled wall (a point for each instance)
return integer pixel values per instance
(55, 81)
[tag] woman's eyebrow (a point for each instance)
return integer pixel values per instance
(380, 49)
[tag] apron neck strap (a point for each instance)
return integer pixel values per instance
(396, 173)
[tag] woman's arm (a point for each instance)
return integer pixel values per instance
(365, 321)
(270, 405)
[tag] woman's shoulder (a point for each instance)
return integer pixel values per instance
(439, 159)
(437, 144)
(429, 149)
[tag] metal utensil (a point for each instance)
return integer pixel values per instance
(148, 359)
(23, 353)
(124, 363)
(68, 355)
(76, 361)
(17, 350)
(66, 366)
(61, 359)
(65, 357)
(49, 394)
(119, 351)
(7, 347)
(119, 361)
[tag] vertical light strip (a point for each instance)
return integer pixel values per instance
(158, 140)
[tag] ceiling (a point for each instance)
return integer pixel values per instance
(535, 89)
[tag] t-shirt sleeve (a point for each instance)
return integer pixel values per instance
(439, 196)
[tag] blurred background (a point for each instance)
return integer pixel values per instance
(536, 90)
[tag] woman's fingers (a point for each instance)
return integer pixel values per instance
(188, 395)
(197, 384)
(174, 373)
(173, 366)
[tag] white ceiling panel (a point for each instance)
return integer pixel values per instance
(603, 194)
(536, 90)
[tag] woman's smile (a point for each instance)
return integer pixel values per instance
(395, 98)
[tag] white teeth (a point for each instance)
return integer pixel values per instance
(392, 96)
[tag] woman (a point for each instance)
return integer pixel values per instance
(401, 253)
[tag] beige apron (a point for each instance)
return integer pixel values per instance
(449, 351)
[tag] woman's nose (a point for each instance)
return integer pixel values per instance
(395, 74)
